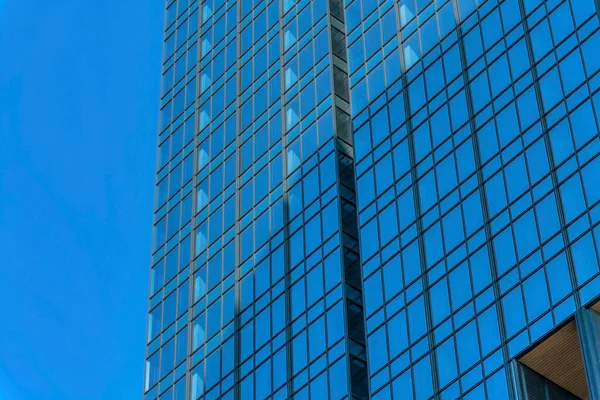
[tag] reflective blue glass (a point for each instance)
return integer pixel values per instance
(486, 122)
(370, 198)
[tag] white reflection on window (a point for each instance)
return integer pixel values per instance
(407, 12)
(198, 382)
(204, 119)
(290, 75)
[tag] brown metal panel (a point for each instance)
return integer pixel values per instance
(558, 358)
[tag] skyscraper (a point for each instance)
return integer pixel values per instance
(377, 199)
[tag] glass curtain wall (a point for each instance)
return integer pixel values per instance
(256, 289)
(477, 156)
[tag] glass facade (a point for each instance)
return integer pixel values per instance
(476, 138)
(387, 199)
(256, 289)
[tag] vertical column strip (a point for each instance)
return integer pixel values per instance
(190, 325)
(417, 205)
(286, 213)
(237, 284)
(346, 195)
(551, 162)
(482, 193)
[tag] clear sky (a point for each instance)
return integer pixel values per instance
(78, 126)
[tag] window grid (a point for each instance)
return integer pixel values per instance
(434, 193)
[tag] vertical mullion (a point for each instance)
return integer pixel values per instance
(238, 185)
(193, 221)
(285, 197)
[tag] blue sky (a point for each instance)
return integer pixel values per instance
(78, 126)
